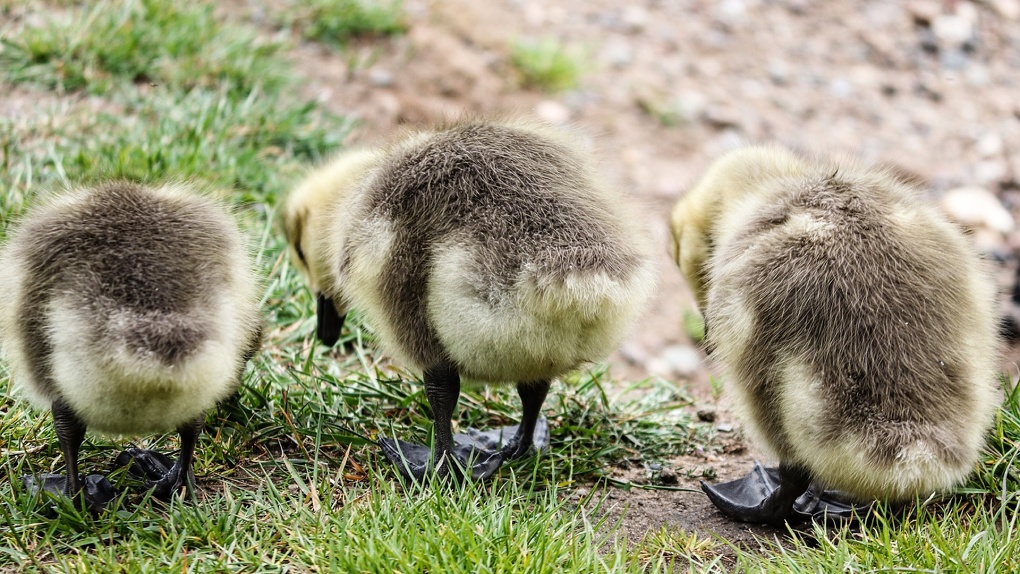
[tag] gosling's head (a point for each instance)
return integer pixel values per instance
(310, 227)
(306, 213)
(729, 181)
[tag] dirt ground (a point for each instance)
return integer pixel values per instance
(929, 86)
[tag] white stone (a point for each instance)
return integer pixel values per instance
(1008, 9)
(989, 145)
(552, 112)
(380, 77)
(683, 360)
(952, 30)
(977, 207)
(619, 53)
(635, 18)
(634, 353)
(990, 171)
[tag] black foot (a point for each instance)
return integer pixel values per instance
(506, 439)
(829, 506)
(96, 489)
(156, 469)
(414, 461)
(755, 498)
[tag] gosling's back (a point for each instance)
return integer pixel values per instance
(491, 242)
(135, 305)
(859, 325)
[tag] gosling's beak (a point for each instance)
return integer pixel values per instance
(329, 321)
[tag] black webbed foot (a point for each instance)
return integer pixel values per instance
(507, 440)
(142, 464)
(160, 473)
(763, 496)
(96, 490)
(414, 461)
(829, 506)
(745, 499)
(778, 495)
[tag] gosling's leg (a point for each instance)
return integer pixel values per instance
(181, 474)
(442, 388)
(762, 496)
(414, 461)
(95, 490)
(166, 478)
(532, 396)
(71, 433)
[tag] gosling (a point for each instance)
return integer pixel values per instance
(483, 250)
(127, 309)
(857, 326)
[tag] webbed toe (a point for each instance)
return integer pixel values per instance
(159, 471)
(144, 464)
(829, 506)
(96, 491)
(414, 461)
(506, 439)
(751, 498)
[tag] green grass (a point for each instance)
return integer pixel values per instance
(176, 45)
(289, 477)
(335, 22)
(546, 65)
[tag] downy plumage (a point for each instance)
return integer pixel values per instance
(487, 250)
(855, 322)
(128, 309)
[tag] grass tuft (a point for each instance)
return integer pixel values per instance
(335, 22)
(546, 65)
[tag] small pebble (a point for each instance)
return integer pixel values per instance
(990, 145)
(618, 53)
(634, 353)
(724, 427)
(924, 11)
(668, 478)
(1008, 9)
(706, 415)
(977, 207)
(952, 31)
(380, 78)
(683, 360)
(552, 112)
(635, 18)
(990, 171)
